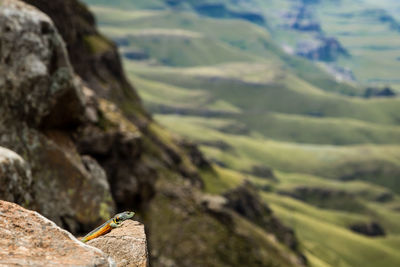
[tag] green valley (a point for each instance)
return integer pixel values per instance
(324, 157)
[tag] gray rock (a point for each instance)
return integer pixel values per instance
(15, 178)
(35, 75)
(41, 102)
(323, 48)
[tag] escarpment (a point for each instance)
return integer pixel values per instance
(92, 150)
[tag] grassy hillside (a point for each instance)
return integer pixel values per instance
(324, 232)
(367, 29)
(323, 160)
(275, 103)
(338, 247)
(370, 35)
(377, 164)
(247, 38)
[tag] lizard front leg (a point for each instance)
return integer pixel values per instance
(115, 222)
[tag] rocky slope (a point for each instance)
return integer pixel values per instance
(92, 149)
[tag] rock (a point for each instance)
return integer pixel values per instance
(302, 19)
(37, 84)
(41, 104)
(212, 202)
(377, 92)
(91, 107)
(196, 157)
(118, 146)
(383, 16)
(340, 74)
(15, 178)
(246, 201)
(217, 10)
(368, 229)
(235, 128)
(121, 41)
(219, 144)
(135, 54)
(94, 58)
(263, 172)
(384, 197)
(327, 198)
(29, 239)
(127, 244)
(323, 48)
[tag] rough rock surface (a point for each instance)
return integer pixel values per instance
(29, 239)
(15, 177)
(126, 245)
(94, 58)
(35, 70)
(41, 102)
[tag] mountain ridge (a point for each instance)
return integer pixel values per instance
(332, 149)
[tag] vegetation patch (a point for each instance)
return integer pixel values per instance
(96, 44)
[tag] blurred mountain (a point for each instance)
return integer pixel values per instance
(299, 97)
(360, 36)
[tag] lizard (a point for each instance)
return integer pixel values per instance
(106, 227)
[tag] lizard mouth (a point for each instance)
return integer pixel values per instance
(130, 214)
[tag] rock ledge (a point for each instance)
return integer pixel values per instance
(29, 239)
(126, 245)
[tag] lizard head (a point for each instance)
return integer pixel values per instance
(120, 217)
